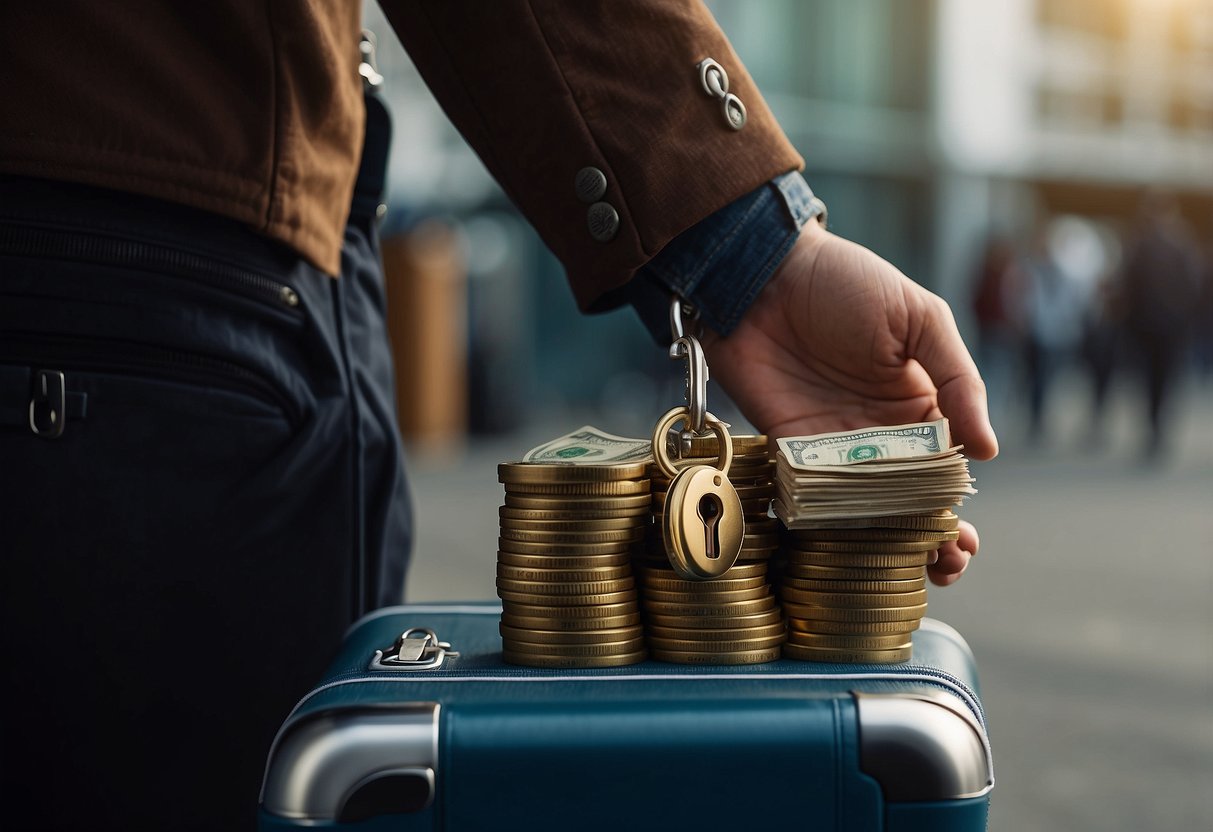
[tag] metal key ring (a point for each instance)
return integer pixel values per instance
(682, 413)
(689, 349)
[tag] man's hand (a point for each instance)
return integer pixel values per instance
(839, 339)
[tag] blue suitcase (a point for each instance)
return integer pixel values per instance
(420, 725)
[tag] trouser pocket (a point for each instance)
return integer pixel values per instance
(46, 381)
(175, 557)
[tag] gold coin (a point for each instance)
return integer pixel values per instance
(697, 587)
(742, 444)
(631, 535)
(606, 648)
(576, 625)
(854, 614)
(691, 645)
(852, 600)
(542, 600)
(704, 634)
(513, 473)
(634, 516)
(595, 573)
(707, 595)
(603, 636)
(845, 655)
(766, 525)
(853, 628)
(754, 555)
(576, 526)
(520, 547)
(616, 488)
(758, 507)
(711, 459)
(866, 547)
(755, 492)
(559, 562)
(859, 573)
(753, 570)
(768, 654)
(577, 504)
(709, 610)
(807, 536)
(759, 541)
(571, 663)
(867, 587)
(893, 641)
(590, 613)
(580, 588)
(712, 622)
(852, 560)
(941, 521)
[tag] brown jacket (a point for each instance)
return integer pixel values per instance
(253, 110)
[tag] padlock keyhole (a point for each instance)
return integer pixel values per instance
(710, 509)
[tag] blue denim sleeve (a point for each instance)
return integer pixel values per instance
(721, 264)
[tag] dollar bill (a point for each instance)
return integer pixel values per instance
(920, 439)
(873, 472)
(590, 446)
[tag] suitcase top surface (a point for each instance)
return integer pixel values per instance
(941, 661)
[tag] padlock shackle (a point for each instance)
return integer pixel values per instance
(661, 452)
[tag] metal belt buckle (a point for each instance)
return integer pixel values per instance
(417, 648)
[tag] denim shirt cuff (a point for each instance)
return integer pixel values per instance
(721, 264)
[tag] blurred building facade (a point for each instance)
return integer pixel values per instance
(927, 125)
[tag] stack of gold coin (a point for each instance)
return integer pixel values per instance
(855, 592)
(564, 563)
(733, 619)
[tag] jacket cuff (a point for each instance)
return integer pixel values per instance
(721, 264)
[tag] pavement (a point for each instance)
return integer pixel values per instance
(1088, 606)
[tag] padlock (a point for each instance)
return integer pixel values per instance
(703, 524)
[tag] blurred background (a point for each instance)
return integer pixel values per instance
(1044, 165)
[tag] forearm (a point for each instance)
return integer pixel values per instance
(542, 89)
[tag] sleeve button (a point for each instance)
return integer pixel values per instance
(603, 221)
(590, 184)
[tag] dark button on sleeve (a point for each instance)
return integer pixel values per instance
(590, 184)
(603, 221)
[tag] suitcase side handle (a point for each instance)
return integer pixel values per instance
(351, 764)
(922, 748)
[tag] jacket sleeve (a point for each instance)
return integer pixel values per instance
(544, 88)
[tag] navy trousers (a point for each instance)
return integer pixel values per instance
(201, 485)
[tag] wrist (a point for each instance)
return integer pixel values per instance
(720, 265)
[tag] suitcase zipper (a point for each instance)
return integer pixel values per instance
(32, 241)
(49, 357)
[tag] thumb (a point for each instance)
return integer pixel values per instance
(962, 393)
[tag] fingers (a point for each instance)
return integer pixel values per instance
(953, 557)
(962, 394)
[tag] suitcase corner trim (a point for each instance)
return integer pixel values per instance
(349, 764)
(922, 748)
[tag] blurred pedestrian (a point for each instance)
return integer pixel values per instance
(1161, 288)
(999, 285)
(1054, 306)
(1101, 349)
